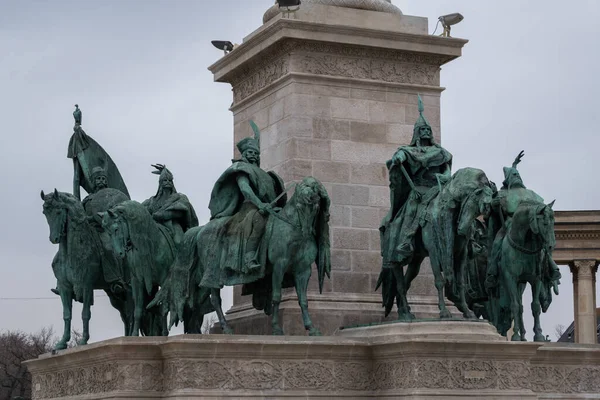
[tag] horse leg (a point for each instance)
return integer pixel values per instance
(86, 315)
(460, 285)
(521, 287)
(403, 308)
(513, 293)
(137, 288)
(301, 282)
(277, 281)
(215, 299)
(536, 309)
(66, 297)
(439, 285)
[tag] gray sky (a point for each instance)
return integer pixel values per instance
(527, 80)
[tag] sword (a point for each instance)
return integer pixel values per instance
(287, 189)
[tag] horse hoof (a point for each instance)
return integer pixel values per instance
(515, 338)
(314, 332)
(60, 345)
(277, 332)
(469, 315)
(406, 317)
(445, 314)
(227, 331)
(82, 342)
(539, 338)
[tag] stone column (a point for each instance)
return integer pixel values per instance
(584, 272)
(334, 91)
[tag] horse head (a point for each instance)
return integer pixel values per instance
(117, 228)
(310, 192)
(477, 203)
(56, 212)
(541, 223)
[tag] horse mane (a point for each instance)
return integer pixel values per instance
(142, 229)
(69, 201)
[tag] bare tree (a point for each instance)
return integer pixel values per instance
(209, 321)
(16, 347)
(559, 330)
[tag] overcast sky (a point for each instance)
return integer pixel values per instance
(527, 80)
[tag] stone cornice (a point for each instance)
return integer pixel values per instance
(446, 48)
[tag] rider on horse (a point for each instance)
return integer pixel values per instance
(504, 205)
(101, 199)
(170, 209)
(241, 200)
(416, 171)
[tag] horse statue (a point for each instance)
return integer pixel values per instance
(78, 263)
(526, 257)
(147, 252)
(445, 225)
(295, 237)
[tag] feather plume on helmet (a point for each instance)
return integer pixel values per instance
(165, 176)
(419, 124)
(512, 177)
(250, 143)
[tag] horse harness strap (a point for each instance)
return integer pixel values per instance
(521, 248)
(282, 218)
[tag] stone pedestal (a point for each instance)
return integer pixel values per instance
(584, 292)
(334, 91)
(400, 361)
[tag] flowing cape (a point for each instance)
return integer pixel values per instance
(88, 154)
(175, 202)
(225, 235)
(226, 197)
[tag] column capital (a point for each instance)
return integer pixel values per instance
(584, 269)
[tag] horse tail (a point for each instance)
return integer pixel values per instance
(177, 289)
(389, 292)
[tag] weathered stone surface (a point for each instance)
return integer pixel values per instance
(341, 260)
(350, 238)
(329, 171)
(340, 215)
(385, 361)
(369, 174)
(351, 282)
(325, 128)
(366, 261)
(350, 195)
(365, 217)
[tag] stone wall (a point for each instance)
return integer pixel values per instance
(252, 367)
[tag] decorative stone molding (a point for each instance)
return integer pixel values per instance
(584, 269)
(98, 378)
(325, 59)
(465, 375)
(274, 367)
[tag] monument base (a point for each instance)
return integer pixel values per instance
(418, 360)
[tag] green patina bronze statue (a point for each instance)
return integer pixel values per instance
(431, 215)
(78, 265)
(170, 209)
(254, 238)
(146, 237)
(87, 154)
(521, 233)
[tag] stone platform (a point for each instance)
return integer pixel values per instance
(419, 360)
